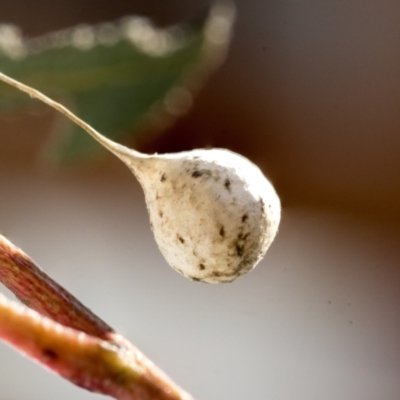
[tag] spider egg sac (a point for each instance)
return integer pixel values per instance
(213, 213)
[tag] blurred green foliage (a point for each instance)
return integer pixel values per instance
(114, 76)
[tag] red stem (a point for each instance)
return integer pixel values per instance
(41, 293)
(116, 368)
(65, 336)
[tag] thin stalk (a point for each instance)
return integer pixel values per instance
(123, 153)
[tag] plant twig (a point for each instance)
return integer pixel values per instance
(73, 342)
(38, 291)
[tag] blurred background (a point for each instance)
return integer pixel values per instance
(310, 92)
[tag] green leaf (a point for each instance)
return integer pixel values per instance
(119, 77)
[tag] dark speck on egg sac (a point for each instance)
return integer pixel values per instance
(181, 239)
(197, 174)
(227, 184)
(239, 250)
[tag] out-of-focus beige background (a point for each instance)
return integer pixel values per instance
(311, 92)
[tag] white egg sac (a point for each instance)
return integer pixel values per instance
(213, 213)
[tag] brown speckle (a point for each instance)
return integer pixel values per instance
(160, 213)
(194, 279)
(245, 217)
(163, 178)
(242, 236)
(197, 174)
(239, 250)
(181, 239)
(216, 274)
(200, 172)
(222, 231)
(202, 267)
(227, 184)
(50, 354)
